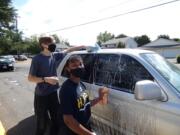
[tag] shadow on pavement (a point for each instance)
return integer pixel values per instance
(24, 127)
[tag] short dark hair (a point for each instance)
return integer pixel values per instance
(74, 58)
(45, 40)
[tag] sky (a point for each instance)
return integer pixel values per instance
(37, 17)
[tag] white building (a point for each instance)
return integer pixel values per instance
(61, 47)
(165, 47)
(113, 43)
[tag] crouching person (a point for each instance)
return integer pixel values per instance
(75, 104)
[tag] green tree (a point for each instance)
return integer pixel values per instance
(142, 40)
(121, 36)
(9, 36)
(66, 42)
(164, 36)
(121, 45)
(5, 46)
(176, 39)
(9, 41)
(33, 45)
(103, 37)
(60, 40)
(7, 14)
(56, 38)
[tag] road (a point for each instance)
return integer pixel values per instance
(16, 101)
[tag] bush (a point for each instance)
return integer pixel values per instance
(121, 45)
(178, 59)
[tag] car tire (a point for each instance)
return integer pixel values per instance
(11, 69)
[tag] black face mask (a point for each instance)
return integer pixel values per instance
(52, 47)
(78, 72)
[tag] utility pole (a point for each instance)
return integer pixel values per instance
(16, 23)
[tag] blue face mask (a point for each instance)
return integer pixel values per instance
(52, 47)
(78, 72)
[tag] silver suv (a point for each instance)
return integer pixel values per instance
(144, 96)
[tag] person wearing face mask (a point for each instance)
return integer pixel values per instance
(43, 73)
(74, 101)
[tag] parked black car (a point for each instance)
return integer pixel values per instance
(6, 64)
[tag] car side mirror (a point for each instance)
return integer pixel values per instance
(147, 90)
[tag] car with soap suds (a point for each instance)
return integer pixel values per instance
(144, 97)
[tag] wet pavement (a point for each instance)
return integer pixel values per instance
(16, 101)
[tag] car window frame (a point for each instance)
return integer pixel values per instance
(116, 88)
(91, 73)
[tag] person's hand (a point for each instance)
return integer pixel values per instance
(93, 133)
(103, 95)
(90, 133)
(53, 80)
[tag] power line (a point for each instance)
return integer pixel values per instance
(114, 16)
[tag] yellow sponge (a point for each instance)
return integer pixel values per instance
(2, 131)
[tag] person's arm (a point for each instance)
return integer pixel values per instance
(95, 101)
(76, 48)
(32, 77)
(35, 79)
(53, 80)
(75, 126)
(103, 93)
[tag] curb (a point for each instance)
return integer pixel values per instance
(2, 130)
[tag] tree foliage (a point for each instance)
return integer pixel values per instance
(164, 36)
(60, 40)
(142, 40)
(178, 59)
(7, 14)
(103, 37)
(121, 45)
(121, 36)
(10, 41)
(33, 45)
(56, 38)
(176, 39)
(9, 37)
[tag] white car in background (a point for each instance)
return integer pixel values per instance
(144, 97)
(20, 57)
(10, 57)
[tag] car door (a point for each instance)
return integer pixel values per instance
(130, 115)
(148, 117)
(123, 114)
(105, 68)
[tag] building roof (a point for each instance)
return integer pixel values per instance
(128, 41)
(116, 40)
(62, 46)
(161, 42)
